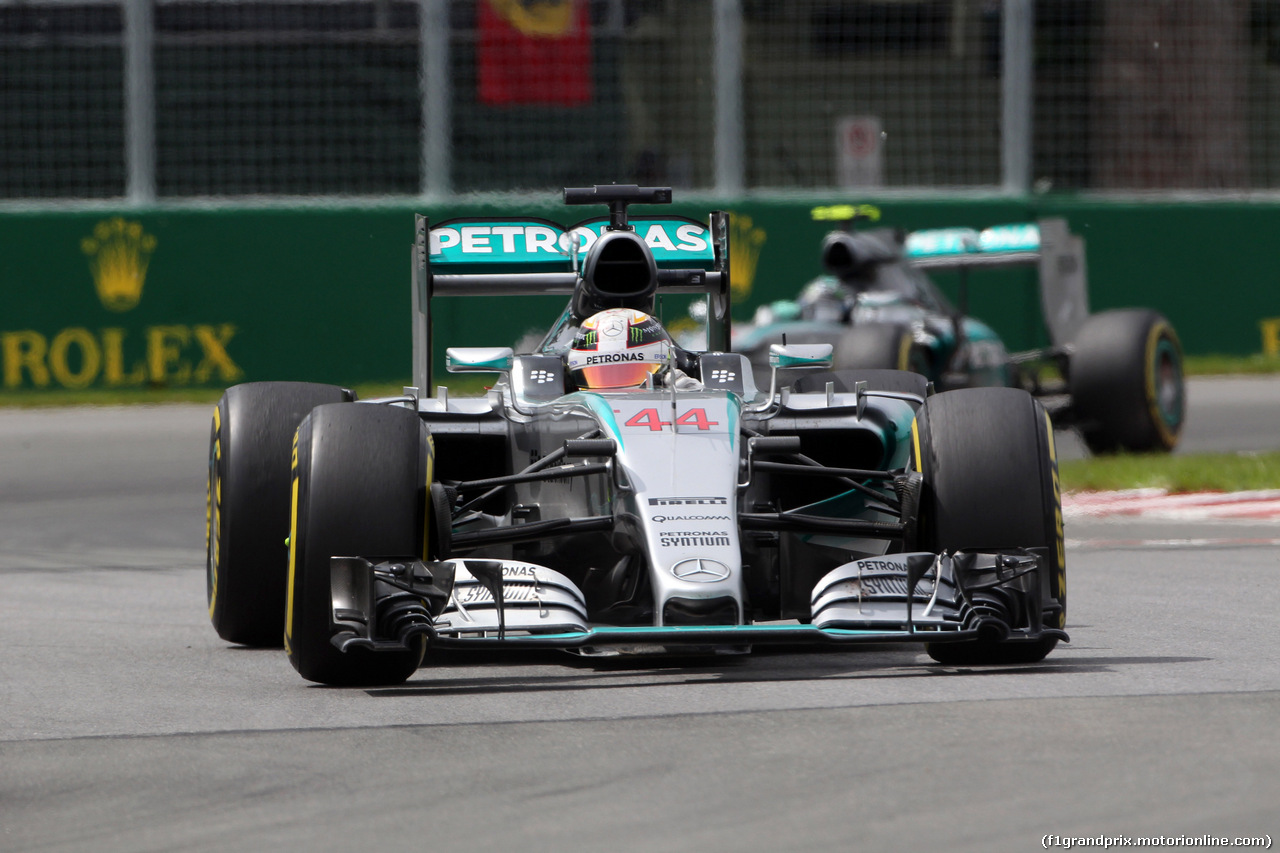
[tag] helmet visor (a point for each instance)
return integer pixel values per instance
(626, 375)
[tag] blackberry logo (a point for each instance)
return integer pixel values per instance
(723, 376)
(541, 376)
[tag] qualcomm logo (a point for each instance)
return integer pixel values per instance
(700, 570)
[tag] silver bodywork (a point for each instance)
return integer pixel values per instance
(535, 599)
(674, 493)
(672, 486)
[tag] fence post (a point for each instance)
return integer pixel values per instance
(730, 129)
(139, 102)
(1017, 38)
(437, 121)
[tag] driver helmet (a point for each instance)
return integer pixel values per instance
(618, 348)
(824, 300)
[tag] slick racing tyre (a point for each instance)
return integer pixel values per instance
(884, 346)
(360, 489)
(1126, 382)
(247, 505)
(991, 482)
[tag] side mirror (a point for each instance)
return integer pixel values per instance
(479, 359)
(792, 356)
(787, 356)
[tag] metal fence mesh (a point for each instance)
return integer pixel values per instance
(294, 99)
(61, 102)
(894, 94)
(326, 97)
(536, 110)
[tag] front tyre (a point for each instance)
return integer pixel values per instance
(991, 482)
(1126, 382)
(247, 506)
(360, 489)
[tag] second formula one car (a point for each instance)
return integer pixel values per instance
(614, 493)
(1116, 376)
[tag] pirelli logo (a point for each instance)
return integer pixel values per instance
(688, 501)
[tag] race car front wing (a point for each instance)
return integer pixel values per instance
(913, 597)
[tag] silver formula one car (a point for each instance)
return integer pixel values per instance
(614, 494)
(1115, 376)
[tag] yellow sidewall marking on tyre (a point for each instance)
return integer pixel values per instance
(1059, 536)
(904, 352)
(213, 512)
(1153, 397)
(915, 445)
(427, 509)
(293, 551)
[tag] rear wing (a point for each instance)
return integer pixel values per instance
(1047, 244)
(504, 256)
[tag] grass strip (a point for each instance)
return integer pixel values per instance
(1198, 472)
(1226, 365)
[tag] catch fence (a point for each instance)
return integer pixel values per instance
(146, 101)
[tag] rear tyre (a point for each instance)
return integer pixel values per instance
(880, 346)
(247, 505)
(1126, 382)
(991, 482)
(360, 489)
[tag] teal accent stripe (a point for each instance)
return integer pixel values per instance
(734, 403)
(940, 242)
(640, 630)
(604, 413)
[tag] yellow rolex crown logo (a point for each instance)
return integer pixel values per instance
(745, 242)
(119, 252)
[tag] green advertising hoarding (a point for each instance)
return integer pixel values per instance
(172, 299)
(182, 297)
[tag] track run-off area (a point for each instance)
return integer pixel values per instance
(128, 725)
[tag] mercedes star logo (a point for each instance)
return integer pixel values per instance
(700, 570)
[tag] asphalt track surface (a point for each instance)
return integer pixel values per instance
(127, 725)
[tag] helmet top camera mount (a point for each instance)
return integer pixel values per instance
(619, 270)
(617, 196)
